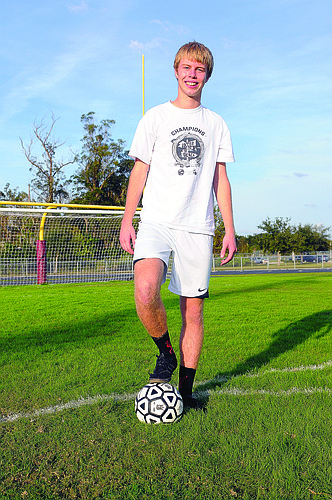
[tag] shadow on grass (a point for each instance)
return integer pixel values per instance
(70, 331)
(247, 286)
(284, 340)
(99, 328)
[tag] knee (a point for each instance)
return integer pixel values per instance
(148, 274)
(146, 293)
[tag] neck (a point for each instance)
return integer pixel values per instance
(186, 102)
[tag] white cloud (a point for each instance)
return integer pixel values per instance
(136, 45)
(78, 8)
(179, 29)
(299, 174)
(36, 82)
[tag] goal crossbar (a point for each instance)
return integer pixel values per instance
(61, 243)
(59, 205)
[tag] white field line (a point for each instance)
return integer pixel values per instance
(235, 391)
(301, 368)
(90, 400)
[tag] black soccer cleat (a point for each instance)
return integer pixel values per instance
(165, 366)
(189, 402)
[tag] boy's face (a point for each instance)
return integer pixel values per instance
(191, 76)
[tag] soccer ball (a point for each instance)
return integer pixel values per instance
(159, 403)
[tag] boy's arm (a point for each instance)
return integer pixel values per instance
(223, 194)
(135, 189)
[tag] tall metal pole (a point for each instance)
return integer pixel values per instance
(143, 87)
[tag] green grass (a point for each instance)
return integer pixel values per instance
(265, 376)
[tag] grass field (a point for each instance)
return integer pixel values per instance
(72, 358)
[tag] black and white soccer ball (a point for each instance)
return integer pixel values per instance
(159, 403)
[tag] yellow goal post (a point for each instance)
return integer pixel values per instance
(61, 243)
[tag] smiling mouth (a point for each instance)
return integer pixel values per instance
(192, 84)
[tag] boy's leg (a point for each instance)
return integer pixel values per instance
(192, 331)
(148, 275)
(191, 342)
(151, 311)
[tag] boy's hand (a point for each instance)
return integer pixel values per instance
(229, 244)
(127, 237)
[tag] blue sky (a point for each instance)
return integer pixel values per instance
(272, 83)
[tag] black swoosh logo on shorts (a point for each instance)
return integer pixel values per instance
(202, 289)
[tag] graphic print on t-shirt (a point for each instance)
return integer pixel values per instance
(188, 150)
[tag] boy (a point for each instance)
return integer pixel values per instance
(180, 150)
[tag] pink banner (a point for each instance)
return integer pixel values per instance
(41, 262)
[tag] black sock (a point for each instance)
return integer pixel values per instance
(186, 380)
(164, 345)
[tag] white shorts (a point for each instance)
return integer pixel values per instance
(192, 257)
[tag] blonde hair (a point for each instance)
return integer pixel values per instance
(198, 52)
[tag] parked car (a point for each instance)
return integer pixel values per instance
(258, 260)
(309, 258)
(312, 258)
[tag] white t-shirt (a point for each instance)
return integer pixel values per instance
(182, 147)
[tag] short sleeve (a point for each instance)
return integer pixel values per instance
(225, 152)
(144, 139)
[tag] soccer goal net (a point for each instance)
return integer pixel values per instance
(61, 245)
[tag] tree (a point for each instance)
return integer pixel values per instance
(9, 194)
(103, 174)
(49, 183)
(277, 236)
(312, 238)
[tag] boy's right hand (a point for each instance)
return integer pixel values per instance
(127, 237)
